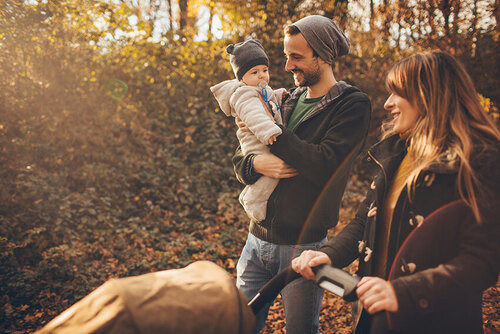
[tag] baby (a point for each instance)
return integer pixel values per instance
(250, 98)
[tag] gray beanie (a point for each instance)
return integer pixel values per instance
(324, 37)
(245, 55)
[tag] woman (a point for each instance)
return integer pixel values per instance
(427, 235)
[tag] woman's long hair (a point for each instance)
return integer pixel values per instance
(451, 119)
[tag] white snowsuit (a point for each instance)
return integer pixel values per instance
(237, 99)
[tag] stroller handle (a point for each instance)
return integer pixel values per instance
(271, 289)
(328, 277)
(337, 281)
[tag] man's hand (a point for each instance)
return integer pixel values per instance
(270, 165)
(377, 295)
(308, 259)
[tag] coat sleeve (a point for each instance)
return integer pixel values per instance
(461, 278)
(247, 105)
(243, 167)
(343, 248)
(341, 142)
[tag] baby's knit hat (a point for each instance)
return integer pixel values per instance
(245, 55)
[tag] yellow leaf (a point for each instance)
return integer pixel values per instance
(190, 129)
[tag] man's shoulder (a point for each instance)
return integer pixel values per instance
(347, 96)
(347, 91)
(357, 96)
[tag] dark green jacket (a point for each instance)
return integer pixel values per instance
(322, 149)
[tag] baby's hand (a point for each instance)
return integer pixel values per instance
(285, 94)
(272, 139)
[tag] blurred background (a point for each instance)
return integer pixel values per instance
(114, 157)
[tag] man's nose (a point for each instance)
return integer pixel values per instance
(289, 65)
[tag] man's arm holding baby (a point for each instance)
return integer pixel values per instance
(250, 167)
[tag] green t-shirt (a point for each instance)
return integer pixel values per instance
(303, 108)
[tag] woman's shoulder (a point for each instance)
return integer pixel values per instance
(485, 161)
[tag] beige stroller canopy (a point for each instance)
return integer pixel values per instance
(200, 298)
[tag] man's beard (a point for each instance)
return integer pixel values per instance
(310, 76)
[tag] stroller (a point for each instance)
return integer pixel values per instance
(200, 298)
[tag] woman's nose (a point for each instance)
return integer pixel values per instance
(388, 103)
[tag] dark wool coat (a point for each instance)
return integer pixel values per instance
(322, 149)
(440, 259)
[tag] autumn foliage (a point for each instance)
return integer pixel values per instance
(114, 158)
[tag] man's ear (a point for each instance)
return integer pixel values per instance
(321, 62)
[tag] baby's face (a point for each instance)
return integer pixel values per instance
(255, 75)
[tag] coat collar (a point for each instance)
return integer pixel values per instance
(389, 152)
(335, 92)
(447, 163)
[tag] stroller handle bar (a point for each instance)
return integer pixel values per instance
(335, 280)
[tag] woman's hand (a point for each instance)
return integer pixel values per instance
(308, 259)
(377, 295)
(270, 165)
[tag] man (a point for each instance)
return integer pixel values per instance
(325, 123)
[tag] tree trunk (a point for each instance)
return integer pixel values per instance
(210, 23)
(183, 15)
(497, 15)
(170, 16)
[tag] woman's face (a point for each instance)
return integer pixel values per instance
(404, 114)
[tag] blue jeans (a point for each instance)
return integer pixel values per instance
(259, 262)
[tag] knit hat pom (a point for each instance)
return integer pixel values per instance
(230, 49)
